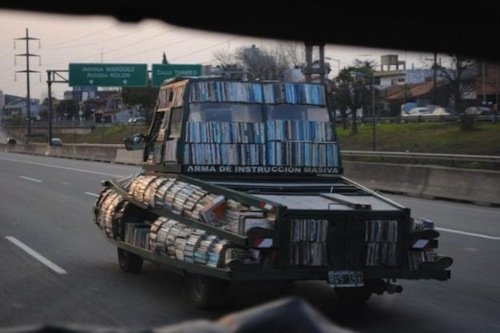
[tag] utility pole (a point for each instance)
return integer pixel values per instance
(308, 69)
(374, 116)
(483, 76)
(434, 78)
(28, 71)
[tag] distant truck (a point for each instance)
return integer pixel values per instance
(242, 181)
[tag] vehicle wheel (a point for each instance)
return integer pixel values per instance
(354, 296)
(207, 292)
(129, 262)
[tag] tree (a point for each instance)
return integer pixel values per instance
(460, 78)
(140, 96)
(164, 60)
(352, 91)
(67, 109)
(271, 63)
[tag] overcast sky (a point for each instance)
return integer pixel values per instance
(77, 39)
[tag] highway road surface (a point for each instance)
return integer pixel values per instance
(57, 267)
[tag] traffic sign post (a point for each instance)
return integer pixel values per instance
(108, 75)
(162, 72)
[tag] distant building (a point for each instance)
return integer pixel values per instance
(18, 108)
(2, 100)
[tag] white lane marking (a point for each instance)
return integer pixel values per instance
(61, 167)
(31, 179)
(468, 233)
(92, 194)
(36, 255)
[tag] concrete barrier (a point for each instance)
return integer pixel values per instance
(128, 157)
(478, 186)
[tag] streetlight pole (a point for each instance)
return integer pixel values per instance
(338, 63)
(374, 118)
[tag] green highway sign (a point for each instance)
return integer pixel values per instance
(163, 72)
(108, 75)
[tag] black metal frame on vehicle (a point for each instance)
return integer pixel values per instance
(284, 270)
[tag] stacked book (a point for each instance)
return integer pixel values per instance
(192, 244)
(138, 186)
(224, 154)
(277, 142)
(240, 219)
(309, 154)
(224, 132)
(294, 93)
(201, 253)
(137, 234)
(151, 190)
(182, 243)
(225, 91)
(170, 152)
(234, 256)
(299, 130)
(308, 242)
(161, 191)
(424, 243)
(194, 202)
(415, 258)
(110, 206)
(381, 237)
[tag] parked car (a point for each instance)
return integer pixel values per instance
(137, 120)
(478, 110)
(11, 141)
(423, 111)
(418, 111)
(439, 111)
(56, 142)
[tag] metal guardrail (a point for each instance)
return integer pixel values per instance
(417, 119)
(422, 156)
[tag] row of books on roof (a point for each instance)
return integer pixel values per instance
(250, 92)
(242, 132)
(192, 201)
(225, 91)
(271, 154)
(180, 242)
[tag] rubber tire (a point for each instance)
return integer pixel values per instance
(354, 296)
(207, 292)
(129, 262)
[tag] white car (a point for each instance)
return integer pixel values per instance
(415, 112)
(423, 111)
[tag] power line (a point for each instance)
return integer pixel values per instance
(165, 46)
(127, 34)
(206, 48)
(123, 47)
(87, 35)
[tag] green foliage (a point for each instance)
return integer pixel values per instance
(67, 108)
(438, 137)
(100, 134)
(140, 96)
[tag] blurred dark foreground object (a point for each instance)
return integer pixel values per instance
(290, 315)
